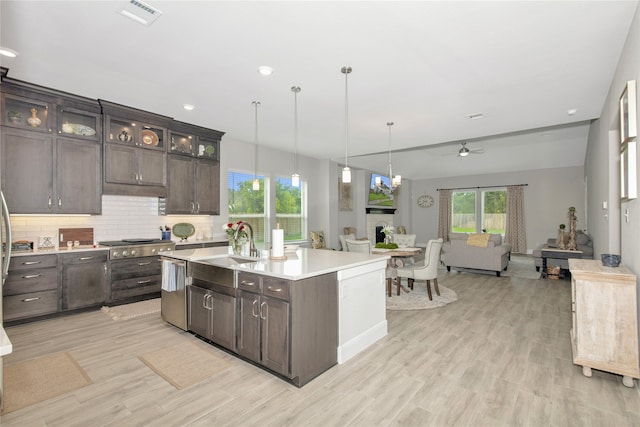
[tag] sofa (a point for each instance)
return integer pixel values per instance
(584, 244)
(481, 251)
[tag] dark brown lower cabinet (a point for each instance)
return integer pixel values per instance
(212, 315)
(263, 331)
(135, 277)
(84, 279)
(31, 288)
(289, 327)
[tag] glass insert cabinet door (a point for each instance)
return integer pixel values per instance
(78, 124)
(207, 148)
(122, 131)
(181, 143)
(26, 113)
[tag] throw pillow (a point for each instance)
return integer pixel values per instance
(581, 238)
(317, 239)
(481, 240)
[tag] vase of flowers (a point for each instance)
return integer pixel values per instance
(237, 236)
(388, 232)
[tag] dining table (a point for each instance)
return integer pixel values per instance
(396, 256)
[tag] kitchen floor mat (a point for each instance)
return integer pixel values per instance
(36, 380)
(185, 364)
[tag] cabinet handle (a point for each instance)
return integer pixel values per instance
(105, 269)
(142, 282)
(197, 207)
(193, 207)
(144, 263)
(31, 299)
(31, 276)
(266, 309)
(139, 177)
(85, 258)
(244, 282)
(59, 202)
(254, 312)
(31, 262)
(49, 203)
(272, 289)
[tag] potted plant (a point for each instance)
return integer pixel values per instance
(15, 116)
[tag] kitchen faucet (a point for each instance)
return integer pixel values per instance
(252, 246)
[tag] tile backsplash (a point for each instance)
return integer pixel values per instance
(122, 217)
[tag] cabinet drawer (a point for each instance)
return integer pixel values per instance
(249, 282)
(277, 288)
(34, 261)
(84, 257)
(28, 305)
(137, 267)
(26, 281)
(134, 287)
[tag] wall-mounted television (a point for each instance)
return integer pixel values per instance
(380, 192)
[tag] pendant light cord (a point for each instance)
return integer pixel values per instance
(389, 124)
(256, 104)
(295, 90)
(346, 71)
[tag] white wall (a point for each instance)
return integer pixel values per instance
(620, 234)
(548, 195)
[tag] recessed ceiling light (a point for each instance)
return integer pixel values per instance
(265, 70)
(8, 52)
(188, 107)
(572, 112)
(475, 116)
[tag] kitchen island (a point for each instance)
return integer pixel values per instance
(335, 300)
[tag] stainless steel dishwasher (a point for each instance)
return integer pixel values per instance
(174, 292)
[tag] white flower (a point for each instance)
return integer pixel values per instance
(388, 229)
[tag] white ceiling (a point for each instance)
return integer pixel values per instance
(423, 65)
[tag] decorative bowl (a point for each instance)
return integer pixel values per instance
(610, 260)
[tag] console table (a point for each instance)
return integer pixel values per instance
(605, 319)
(556, 253)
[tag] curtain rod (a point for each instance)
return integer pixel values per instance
(486, 186)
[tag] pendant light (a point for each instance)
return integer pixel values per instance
(394, 181)
(346, 171)
(256, 181)
(295, 177)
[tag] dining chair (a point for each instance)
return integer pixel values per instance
(364, 246)
(427, 271)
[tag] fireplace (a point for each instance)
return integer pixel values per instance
(375, 222)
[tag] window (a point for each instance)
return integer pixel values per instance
(246, 204)
(475, 211)
(291, 209)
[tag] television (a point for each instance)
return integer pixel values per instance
(380, 192)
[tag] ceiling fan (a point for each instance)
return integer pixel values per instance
(464, 151)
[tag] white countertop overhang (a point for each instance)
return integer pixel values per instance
(302, 264)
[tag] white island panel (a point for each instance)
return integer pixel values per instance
(362, 316)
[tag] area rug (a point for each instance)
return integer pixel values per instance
(40, 379)
(185, 364)
(136, 309)
(417, 298)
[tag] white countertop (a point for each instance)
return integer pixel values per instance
(5, 344)
(54, 251)
(301, 264)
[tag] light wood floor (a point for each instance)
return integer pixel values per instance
(499, 356)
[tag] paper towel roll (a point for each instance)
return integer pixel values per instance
(277, 243)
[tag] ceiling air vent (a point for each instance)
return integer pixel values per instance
(141, 12)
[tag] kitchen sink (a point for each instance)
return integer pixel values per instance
(229, 261)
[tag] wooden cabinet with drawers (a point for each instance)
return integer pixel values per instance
(31, 289)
